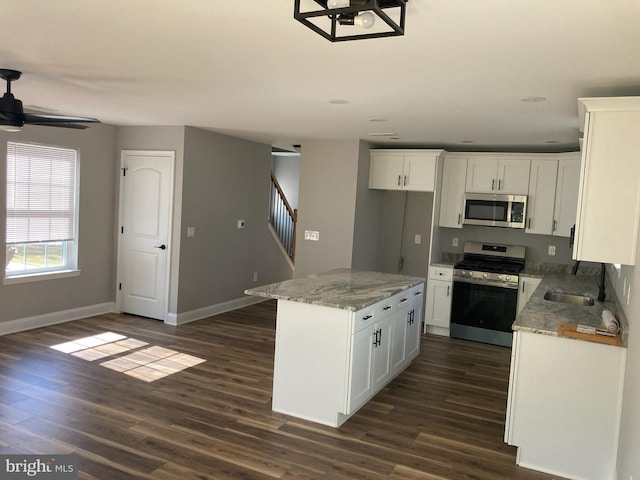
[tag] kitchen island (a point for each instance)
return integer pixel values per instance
(565, 394)
(340, 337)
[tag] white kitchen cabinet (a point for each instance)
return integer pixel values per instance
(438, 300)
(406, 328)
(454, 177)
(492, 174)
(553, 195)
(566, 196)
(564, 403)
(526, 287)
(412, 170)
(541, 199)
(331, 361)
(609, 191)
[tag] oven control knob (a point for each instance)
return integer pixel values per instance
(485, 275)
(507, 278)
(501, 277)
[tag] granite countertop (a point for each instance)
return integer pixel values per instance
(542, 316)
(342, 288)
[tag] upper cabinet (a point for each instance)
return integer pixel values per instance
(553, 194)
(454, 176)
(609, 191)
(492, 174)
(565, 211)
(412, 170)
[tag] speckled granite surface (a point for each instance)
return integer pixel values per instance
(342, 288)
(542, 316)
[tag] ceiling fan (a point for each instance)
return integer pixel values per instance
(13, 117)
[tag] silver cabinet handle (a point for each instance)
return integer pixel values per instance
(493, 184)
(459, 218)
(405, 180)
(555, 226)
(529, 223)
(399, 177)
(448, 287)
(499, 184)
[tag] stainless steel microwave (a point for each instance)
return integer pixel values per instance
(495, 210)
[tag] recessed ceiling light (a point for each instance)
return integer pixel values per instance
(533, 99)
(382, 134)
(337, 101)
(466, 141)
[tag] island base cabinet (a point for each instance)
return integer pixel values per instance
(329, 362)
(310, 363)
(564, 405)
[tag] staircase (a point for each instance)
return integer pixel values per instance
(283, 219)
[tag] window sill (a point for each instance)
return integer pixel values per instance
(41, 276)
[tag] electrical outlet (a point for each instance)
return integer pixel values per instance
(191, 231)
(455, 242)
(552, 250)
(418, 239)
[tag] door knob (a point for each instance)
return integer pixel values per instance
(161, 247)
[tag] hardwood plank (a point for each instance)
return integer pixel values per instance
(441, 419)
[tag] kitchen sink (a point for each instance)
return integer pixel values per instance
(572, 298)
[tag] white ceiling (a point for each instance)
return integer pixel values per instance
(247, 68)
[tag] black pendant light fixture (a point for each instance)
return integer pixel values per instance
(342, 20)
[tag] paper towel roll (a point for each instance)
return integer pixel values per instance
(610, 322)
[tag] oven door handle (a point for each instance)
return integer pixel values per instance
(488, 283)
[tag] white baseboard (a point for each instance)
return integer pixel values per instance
(29, 323)
(200, 313)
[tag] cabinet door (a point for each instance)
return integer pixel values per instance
(566, 196)
(438, 304)
(382, 354)
(540, 203)
(609, 194)
(414, 322)
(362, 349)
(513, 176)
(386, 172)
(419, 173)
(481, 175)
(454, 177)
(399, 342)
(527, 285)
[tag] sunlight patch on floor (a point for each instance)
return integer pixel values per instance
(148, 364)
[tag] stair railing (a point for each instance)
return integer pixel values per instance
(283, 218)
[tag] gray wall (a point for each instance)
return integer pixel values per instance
(628, 458)
(225, 179)
(287, 171)
(328, 184)
(96, 254)
(537, 245)
(367, 248)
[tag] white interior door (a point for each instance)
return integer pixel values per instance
(146, 199)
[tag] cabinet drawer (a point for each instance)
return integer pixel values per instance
(417, 291)
(440, 273)
(384, 308)
(365, 317)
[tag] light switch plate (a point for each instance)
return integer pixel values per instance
(311, 235)
(418, 239)
(552, 250)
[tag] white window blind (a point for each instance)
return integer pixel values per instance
(41, 193)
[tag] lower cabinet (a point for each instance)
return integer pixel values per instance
(526, 287)
(329, 362)
(438, 302)
(564, 405)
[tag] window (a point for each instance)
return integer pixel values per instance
(42, 206)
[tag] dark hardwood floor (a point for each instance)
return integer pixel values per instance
(442, 418)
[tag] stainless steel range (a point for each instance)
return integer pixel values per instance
(485, 292)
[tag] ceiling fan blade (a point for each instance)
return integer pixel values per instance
(60, 125)
(50, 119)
